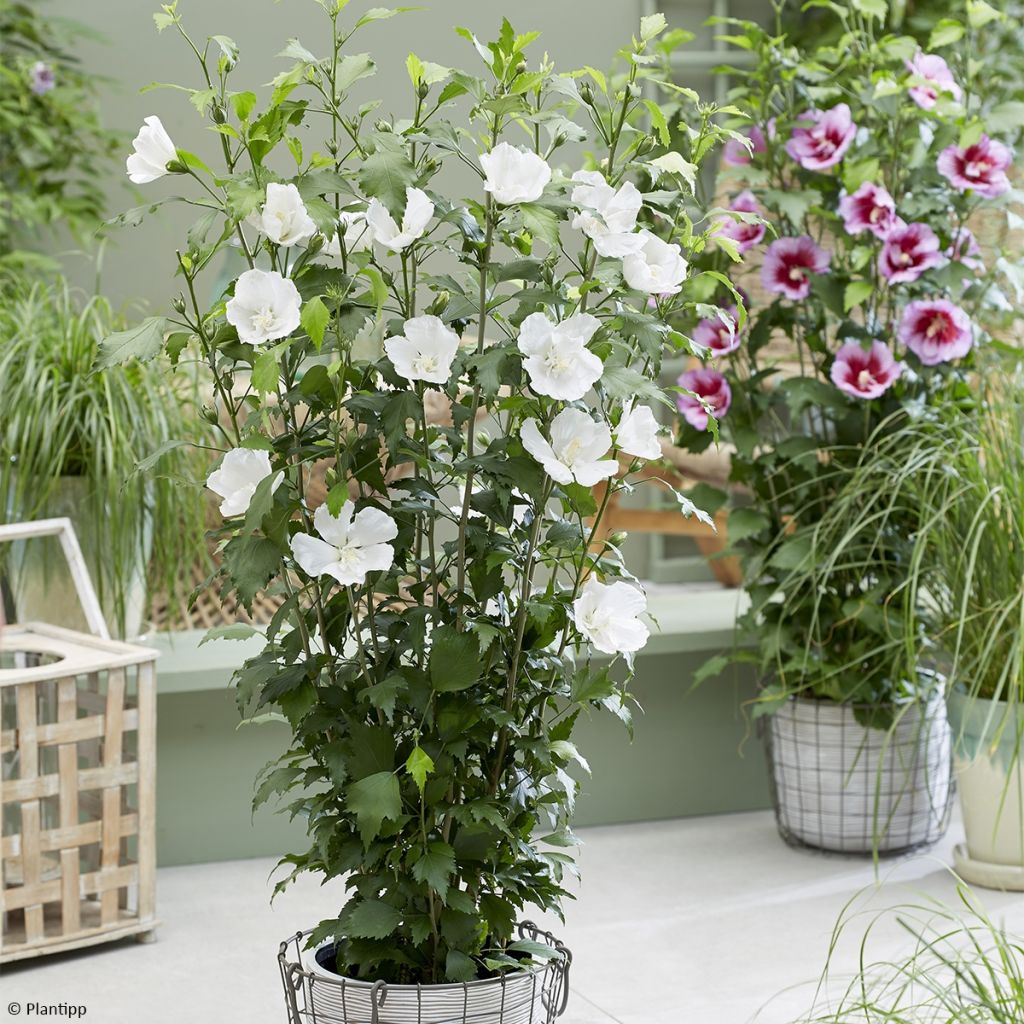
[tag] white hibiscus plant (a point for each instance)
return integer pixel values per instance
(427, 402)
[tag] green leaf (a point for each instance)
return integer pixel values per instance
(315, 318)
(385, 174)
(1005, 117)
(652, 25)
(980, 13)
(419, 765)
(454, 660)
(372, 800)
(251, 562)
(371, 919)
(714, 666)
(673, 163)
(855, 293)
(945, 32)
(243, 103)
(436, 867)
(266, 371)
(540, 222)
(658, 121)
(459, 967)
(380, 13)
(142, 342)
(746, 522)
(354, 67)
(235, 631)
(878, 9)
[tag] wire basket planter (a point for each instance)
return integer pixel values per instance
(537, 995)
(844, 787)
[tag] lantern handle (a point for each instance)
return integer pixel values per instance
(63, 529)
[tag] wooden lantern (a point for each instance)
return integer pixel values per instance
(78, 785)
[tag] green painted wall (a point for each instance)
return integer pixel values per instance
(686, 759)
(139, 262)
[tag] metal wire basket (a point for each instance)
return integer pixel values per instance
(536, 995)
(844, 787)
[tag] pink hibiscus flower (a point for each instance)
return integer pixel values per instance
(865, 374)
(980, 166)
(712, 387)
(932, 78)
(936, 331)
(735, 154)
(870, 208)
(719, 335)
(788, 264)
(745, 235)
(908, 252)
(821, 139)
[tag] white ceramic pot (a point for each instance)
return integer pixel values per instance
(316, 993)
(990, 776)
(843, 786)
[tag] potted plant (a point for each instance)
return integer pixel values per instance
(97, 445)
(973, 548)
(444, 626)
(850, 209)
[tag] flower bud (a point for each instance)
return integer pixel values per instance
(521, 67)
(617, 539)
(178, 304)
(210, 415)
(176, 167)
(523, 242)
(422, 91)
(645, 145)
(440, 303)
(218, 114)
(587, 93)
(560, 139)
(383, 126)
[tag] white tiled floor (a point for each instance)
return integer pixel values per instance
(701, 921)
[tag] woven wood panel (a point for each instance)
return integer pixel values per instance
(78, 847)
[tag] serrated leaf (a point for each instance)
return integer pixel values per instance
(540, 222)
(435, 868)
(673, 163)
(142, 342)
(266, 371)
(652, 25)
(855, 293)
(314, 319)
(354, 67)
(419, 765)
(371, 919)
(385, 175)
(658, 122)
(454, 660)
(234, 631)
(372, 800)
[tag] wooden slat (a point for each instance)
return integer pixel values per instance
(113, 750)
(67, 770)
(88, 778)
(147, 791)
(53, 839)
(31, 856)
(93, 883)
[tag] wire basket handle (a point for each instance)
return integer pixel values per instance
(63, 529)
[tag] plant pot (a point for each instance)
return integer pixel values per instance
(842, 786)
(990, 776)
(314, 992)
(40, 585)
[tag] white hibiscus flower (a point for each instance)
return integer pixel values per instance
(514, 175)
(426, 350)
(418, 211)
(558, 361)
(153, 151)
(607, 216)
(284, 218)
(658, 268)
(351, 545)
(637, 432)
(240, 473)
(608, 615)
(266, 306)
(574, 453)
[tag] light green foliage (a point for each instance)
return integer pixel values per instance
(116, 428)
(53, 147)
